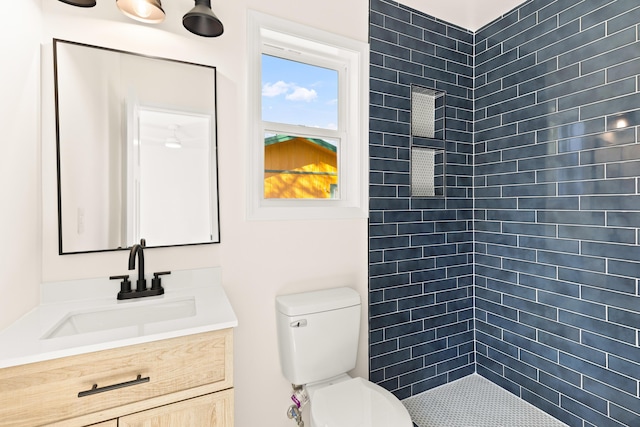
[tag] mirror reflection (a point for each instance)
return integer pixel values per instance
(136, 150)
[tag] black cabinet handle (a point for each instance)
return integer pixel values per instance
(95, 389)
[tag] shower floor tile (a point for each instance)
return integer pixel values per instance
(474, 401)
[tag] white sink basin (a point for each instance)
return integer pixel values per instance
(133, 313)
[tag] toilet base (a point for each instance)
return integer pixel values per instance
(343, 401)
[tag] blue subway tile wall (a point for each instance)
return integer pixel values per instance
(421, 250)
(557, 208)
(538, 235)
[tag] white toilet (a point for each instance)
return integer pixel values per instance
(318, 342)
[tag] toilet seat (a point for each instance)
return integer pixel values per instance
(357, 403)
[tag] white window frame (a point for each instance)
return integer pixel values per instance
(278, 37)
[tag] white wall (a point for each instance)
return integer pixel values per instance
(86, 202)
(469, 14)
(20, 236)
(259, 260)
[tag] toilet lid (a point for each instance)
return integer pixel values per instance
(357, 403)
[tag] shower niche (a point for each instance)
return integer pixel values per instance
(428, 153)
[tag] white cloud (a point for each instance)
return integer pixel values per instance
(302, 94)
(291, 91)
(274, 89)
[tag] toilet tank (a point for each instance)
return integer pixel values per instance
(318, 333)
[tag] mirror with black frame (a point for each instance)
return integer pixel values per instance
(137, 150)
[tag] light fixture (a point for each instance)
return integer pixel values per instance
(173, 141)
(622, 123)
(201, 21)
(149, 11)
(80, 3)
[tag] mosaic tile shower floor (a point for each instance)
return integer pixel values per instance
(474, 401)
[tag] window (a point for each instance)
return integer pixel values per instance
(307, 143)
(300, 105)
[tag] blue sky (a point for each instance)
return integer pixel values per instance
(299, 94)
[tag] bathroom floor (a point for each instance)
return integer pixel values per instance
(474, 401)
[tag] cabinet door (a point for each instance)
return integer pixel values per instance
(110, 423)
(211, 410)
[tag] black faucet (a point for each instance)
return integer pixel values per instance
(137, 249)
(141, 284)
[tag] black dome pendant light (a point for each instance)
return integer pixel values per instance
(80, 3)
(201, 21)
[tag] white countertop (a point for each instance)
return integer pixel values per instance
(23, 341)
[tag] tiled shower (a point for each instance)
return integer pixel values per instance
(527, 271)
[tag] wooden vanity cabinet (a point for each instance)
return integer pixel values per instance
(213, 410)
(184, 381)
